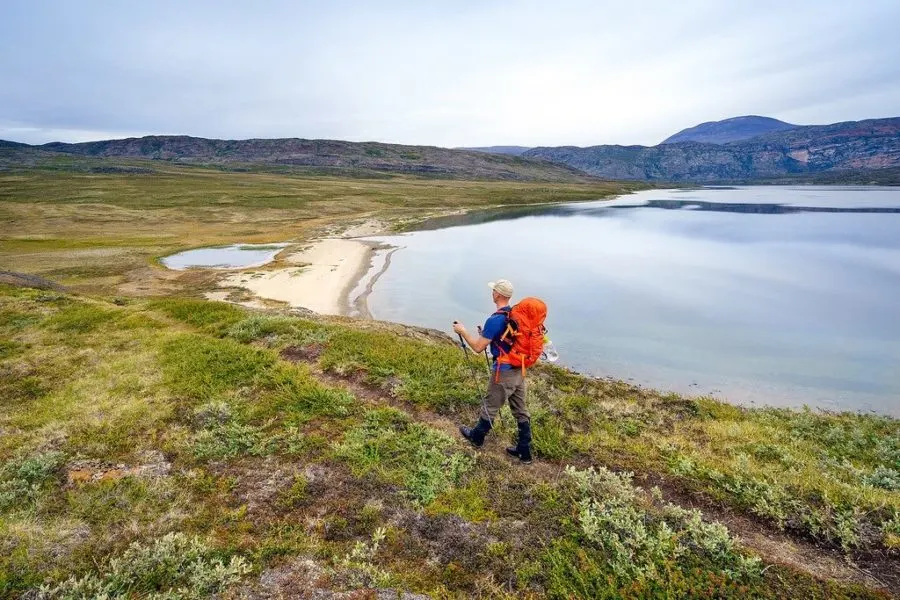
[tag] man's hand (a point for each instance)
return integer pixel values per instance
(475, 342)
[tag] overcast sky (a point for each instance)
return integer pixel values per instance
(455, 73)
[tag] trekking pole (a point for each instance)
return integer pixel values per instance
(465, 348)
(486, 359)
(462, 343)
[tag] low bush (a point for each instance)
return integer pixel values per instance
(25, 478)
(412, 454)
(174, 566)
(80, 318)
(624, 547)
(427, 374)
(211, 317)
(199, 368)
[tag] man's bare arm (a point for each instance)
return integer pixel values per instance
(476, 342)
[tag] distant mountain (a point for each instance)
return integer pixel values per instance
(301, 155)
(729, 130)
(513, 150)
(854, 146)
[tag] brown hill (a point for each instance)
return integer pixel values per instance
(330, 155)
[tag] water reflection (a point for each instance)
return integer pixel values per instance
(774, 295)
(237, 256)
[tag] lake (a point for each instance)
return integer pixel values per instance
(784, 296)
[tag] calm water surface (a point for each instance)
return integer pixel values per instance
(784, 296)
(238, 256)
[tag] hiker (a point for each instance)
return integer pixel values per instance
(507, 382)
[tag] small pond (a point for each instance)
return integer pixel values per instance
(236, 256)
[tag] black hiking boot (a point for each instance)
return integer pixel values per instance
(476, 434)
(522, 450)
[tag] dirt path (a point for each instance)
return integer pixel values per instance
(773, 546)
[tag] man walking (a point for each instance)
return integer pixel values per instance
(507, 383)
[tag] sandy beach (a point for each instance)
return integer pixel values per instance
(324, 274)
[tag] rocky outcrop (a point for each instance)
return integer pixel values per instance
(842, 147)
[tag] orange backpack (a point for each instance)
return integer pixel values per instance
(525, 333)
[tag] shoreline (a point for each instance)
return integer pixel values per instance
(318, 277)
(336, 273)
(359, 306)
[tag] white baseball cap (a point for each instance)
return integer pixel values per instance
(502, 287)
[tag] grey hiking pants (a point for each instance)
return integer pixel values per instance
(509, 386)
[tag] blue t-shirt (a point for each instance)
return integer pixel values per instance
(492, 330)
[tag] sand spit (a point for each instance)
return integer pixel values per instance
(321, 281)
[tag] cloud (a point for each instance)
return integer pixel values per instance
(464, 73)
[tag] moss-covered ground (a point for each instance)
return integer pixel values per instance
(174, 447)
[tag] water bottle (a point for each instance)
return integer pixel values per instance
(549, 353)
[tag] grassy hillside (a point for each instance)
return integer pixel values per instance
(100, 231)
(297, 156)
(176, 448)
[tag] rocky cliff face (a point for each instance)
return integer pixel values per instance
(852, 146)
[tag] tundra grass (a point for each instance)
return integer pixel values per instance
(99, 232)
(832, 477)
(165, 449)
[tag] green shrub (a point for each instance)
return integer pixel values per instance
(409, 453)
(549, 438)
(641, 545)
(173, 566)
(80, 318)
(301, 394)
(9, 348)
(360, 563)
(885, 478)
(427, 374)
(229, 440)
(199, 367)
(260, 326)
(23, 479)
(822, 519)
(212, 317)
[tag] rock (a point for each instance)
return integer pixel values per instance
(153, 465)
